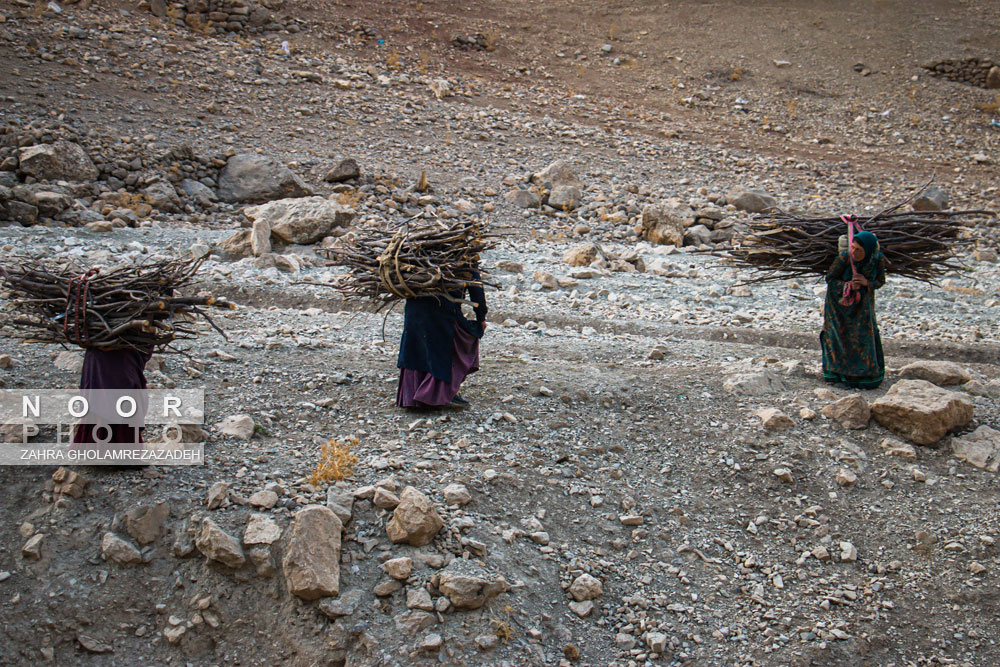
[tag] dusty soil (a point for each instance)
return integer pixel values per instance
(573, 425)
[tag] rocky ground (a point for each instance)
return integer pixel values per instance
(651, 471)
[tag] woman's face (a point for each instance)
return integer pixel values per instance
(857, 252)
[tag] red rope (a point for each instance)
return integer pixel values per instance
(76, 299)
(850, 295)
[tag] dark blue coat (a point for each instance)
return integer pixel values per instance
(429, 332)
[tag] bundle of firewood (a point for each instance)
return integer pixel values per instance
(917, 244)
(434, 258)
(125, 307)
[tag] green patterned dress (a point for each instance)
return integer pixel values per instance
(852, 346)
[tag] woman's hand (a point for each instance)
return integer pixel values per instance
(482, 326)
(859, 281)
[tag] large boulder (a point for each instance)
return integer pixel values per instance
(17, 430)
(51, 204)
(931, 199)
(312, 562)
(752, 201)
(345, 170)
(557, 173)
(981, 448)
(301, 220)
(582, 255)
(198, 191)
(61, 161)
(238, 245)
(22, 212)
(522, 199)
(665, 223)
(993, 78)
(162, 196)
(941, 373)
(414, 521)
(261, 529)
(774, 419)
(341, 501)
(467, 585)
(249, 177)
(921, 411)
(565, 197)
(697, 235)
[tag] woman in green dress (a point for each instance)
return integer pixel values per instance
(852, 347)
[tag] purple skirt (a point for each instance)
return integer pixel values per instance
(418, 389)
(111, 369)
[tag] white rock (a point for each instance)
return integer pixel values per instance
(586, 587)
(261, 529)
(237, 426)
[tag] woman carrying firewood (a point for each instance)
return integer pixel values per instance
(439, 347)
(119, 316)
(852, 346)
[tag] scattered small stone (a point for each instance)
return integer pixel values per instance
(456, 494)
(774, 419)
(845, 477)
(33, 547)
(784, 474)
(898, 448)
(116, 549)
(586, 587)
(398, 568)
(261, 529)
(345, 605)
(237, 426)
(467, 586)
(219, 546)
(216, 494)
(385, 499)
(851, 412)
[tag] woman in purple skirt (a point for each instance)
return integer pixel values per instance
(439, 348)
(111, 369)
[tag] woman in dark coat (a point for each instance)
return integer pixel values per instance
(439, 348)
(852, 346)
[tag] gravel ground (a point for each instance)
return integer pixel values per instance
(607, 433)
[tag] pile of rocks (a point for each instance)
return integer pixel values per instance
(61, 152)
(221, 16)
(980, 72)
(674, 223)
(54, 174)
(478, 41)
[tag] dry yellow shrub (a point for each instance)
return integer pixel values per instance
(393, 60)
(425, 60)
(490, 39)
(502, 627)
(336, 462)
(350, 198)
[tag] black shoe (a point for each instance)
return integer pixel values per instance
(460, 402)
